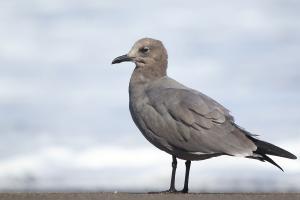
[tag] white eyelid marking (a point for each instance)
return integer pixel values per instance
(145, 49)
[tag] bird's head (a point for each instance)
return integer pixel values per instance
(147, 54)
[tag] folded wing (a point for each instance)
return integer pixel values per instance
(191, 121)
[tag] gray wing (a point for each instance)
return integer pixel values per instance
(192, 122)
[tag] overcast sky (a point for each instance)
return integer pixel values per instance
(64, 117)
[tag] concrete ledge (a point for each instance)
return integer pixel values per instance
(140, 196)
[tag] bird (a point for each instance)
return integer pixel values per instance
(184, 122)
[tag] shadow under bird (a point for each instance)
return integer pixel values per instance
(181, 121)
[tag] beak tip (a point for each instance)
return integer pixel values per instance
(120, 59)
(113, 61)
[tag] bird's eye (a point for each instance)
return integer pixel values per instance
(145, 49)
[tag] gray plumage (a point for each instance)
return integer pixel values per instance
(181, 121)
(184, 122)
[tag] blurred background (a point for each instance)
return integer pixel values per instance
(64, 117)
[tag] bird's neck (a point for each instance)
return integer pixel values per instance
(145, 74)
(141, 78)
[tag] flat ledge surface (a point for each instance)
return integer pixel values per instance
(143, 196)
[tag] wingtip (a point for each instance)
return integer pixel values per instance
(290, 156)
(294, 157)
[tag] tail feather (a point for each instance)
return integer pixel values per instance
(263, 158)
(268, 159)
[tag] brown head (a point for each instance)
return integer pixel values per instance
(149, 56)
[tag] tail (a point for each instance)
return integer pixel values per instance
(265, 148)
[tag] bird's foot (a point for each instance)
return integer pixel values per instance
(171, 190)
(184, 190)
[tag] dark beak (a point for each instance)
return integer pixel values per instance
(120, 59)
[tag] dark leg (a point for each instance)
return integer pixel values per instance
(174, 166)
(186, 180)
(172, 185)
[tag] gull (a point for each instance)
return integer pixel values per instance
(181, 121)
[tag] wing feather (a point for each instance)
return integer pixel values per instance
(204, 125)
